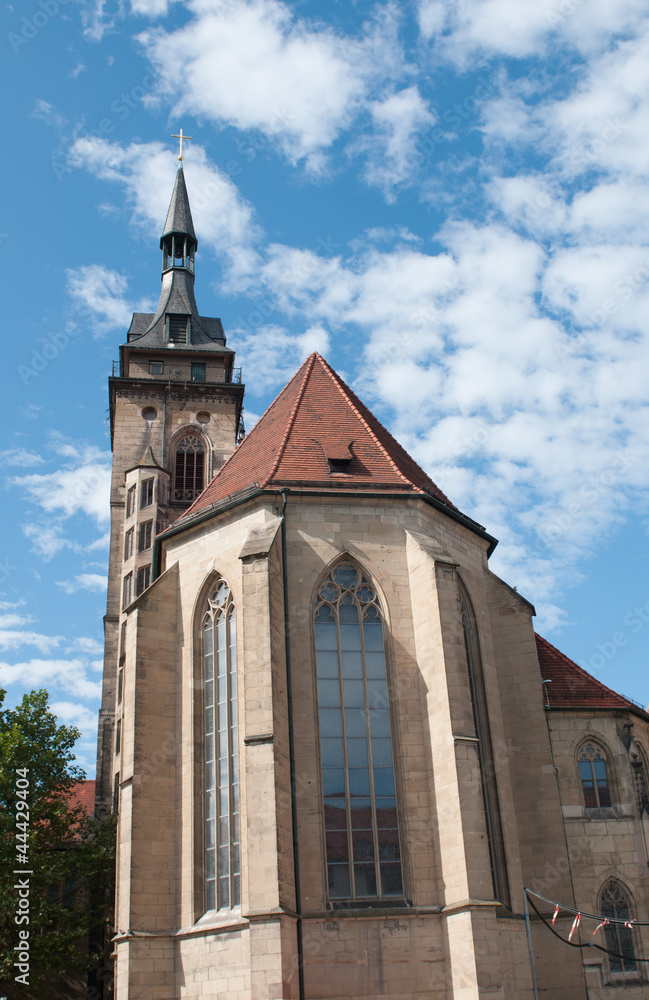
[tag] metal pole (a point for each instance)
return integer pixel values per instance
(528, 928)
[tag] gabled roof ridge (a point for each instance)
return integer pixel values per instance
(352, 400)
(310, 361)
(592, 680)
(250, 436)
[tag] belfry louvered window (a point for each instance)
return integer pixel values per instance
(222, 866)
(360, 806)
(178, 327)
(189, 468)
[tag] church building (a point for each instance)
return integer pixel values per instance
(337, 750)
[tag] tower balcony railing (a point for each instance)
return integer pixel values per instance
(173, 371)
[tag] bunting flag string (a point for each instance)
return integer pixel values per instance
(602, 921)
(575, 924)
(622, 921)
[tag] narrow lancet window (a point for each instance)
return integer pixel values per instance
(221, 752)
(360, 806)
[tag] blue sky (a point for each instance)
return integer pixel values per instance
(448, 200)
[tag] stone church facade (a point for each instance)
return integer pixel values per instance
(337, 750)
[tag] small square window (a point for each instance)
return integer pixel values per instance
(128, 543)
(156, 367)
(144, 536)
(128, 590)
(146, 493)
(130, 501)
(143, 579)
(198, 372)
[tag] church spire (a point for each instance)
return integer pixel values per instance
(177, 322)
(178, 241)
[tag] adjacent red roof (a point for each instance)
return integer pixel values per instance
(83, 794)
(570, 685)
(318, 434)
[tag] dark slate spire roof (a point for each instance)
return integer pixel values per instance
(179, 216)
(148, 330)
(177, 297)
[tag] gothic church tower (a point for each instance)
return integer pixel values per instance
(175, 416)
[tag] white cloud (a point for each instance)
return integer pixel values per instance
(297, 83)
(392, 155)
(68, 675)
(470, 29)
(147, 170)
(14, 634)
(103, 294)
(47, 113)
(150, 8)
(20, 456)
(70, 491)
(89, 646)
(271, 355)
(72, 714)
(84, 581)
(80, 485)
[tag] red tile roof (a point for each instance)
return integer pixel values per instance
(571, 686)
(83, 794)
(317, 419)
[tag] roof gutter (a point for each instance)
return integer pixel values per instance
(251, 494)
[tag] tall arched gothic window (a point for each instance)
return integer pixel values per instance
(189, 468)
(594, 776)
(360, 806)
(221, 751)
(488, 764)
(619, 939)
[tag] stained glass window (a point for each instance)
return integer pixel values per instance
(360, 805)
(223, 874)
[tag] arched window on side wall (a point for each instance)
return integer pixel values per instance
(619, 939)
(360, 806)
(488, 764)
(189, 468)
(221, 751)
(594, 776)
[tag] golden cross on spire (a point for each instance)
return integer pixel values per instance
(181, 137)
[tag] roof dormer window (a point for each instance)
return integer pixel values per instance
(178, 329)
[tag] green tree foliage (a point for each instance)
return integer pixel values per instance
(71, 856)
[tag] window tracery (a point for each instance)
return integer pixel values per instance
(189, 468)
(360, 805)
(222, 858)
(594, 776)
(619, 939)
